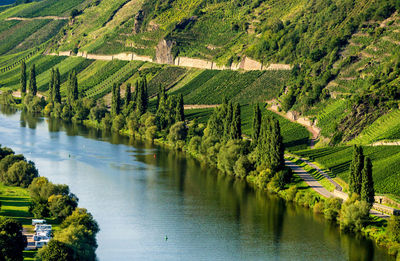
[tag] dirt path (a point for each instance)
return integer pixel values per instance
(315, 132)
(37, 18)
(18, 94)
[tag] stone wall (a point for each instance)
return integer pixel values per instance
(277, 67)
(100, 57)
(163, 56)
(66, 53)
(192, 62)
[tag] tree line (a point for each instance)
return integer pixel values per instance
(77, 238)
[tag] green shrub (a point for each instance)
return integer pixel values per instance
(354, 215)
(394, 228)
(332, 208)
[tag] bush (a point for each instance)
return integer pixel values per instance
(55, 251)
(319, 207)
(242, 167)
(12, 241)
(291, 193)
(194, 144)
(20, 174)
(394, 228)
(332, 208)
(118, 122)
(177, 132)
(353, 215)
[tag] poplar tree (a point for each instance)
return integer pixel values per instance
(356, 167)
(128, 95)
(236, 127)
(367, 188)
(142, 98)
(227, 115)
(23, 78)
(74, 82)
(116, 100)
(32, 81)
(256, 123)
(262, 149)
(57, 85)
(180, 111)
(51, 85)
(277, 149)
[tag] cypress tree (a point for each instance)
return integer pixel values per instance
(236, 127)
(128, 95)
(277, 149)
(227, 117)
(32, 81)
(262, 149)
(23, 78)
(180, 112)
(367, 188)
(142, 98)
(116, 100)
(74, 85)
(57, 84)
(51, 85)
(145, 94)
(356, 167)
(256, 123)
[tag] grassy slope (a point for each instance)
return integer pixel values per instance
(385, 160)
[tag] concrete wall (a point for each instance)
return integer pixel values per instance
(248, 64)
(141, 58)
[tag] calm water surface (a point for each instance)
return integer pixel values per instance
(140, 193)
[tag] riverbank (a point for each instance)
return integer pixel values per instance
(261, 180)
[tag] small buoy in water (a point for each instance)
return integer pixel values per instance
(154, 155)
(69, 155)
(166, 237)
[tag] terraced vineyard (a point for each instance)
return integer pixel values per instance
(385, 160)
(330, 116)
(119, 77)
(386, 127)
(247, 87)
(166, 77)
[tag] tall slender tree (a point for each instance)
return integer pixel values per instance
(23, 78)
(116, 100)
(141, 100)
(367, 188)
(128, 95)
(277, 149)
(356, 167)
(236, 128)
(57, 85)
(180, 112)
(51, 85)
(32, 81)
(227, 119)
(256, 123)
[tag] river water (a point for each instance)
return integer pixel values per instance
(140, 193)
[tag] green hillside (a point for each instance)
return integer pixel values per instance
(344, 53)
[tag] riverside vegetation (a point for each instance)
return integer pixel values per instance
(258, 159)
(75, 238)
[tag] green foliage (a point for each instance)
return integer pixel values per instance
(332, 208)
(177, 132)
(79, 233)
(354, 214)
(20, 174)
(12, 241)
(55, 251)
(256, 123)
(116, 100)
(49, 199)
(394, 228)
(32, 81)
(23, 77)
(367, 188)
(356, 168)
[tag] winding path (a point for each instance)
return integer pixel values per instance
(36, 18)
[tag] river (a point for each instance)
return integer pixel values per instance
(140, 193)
